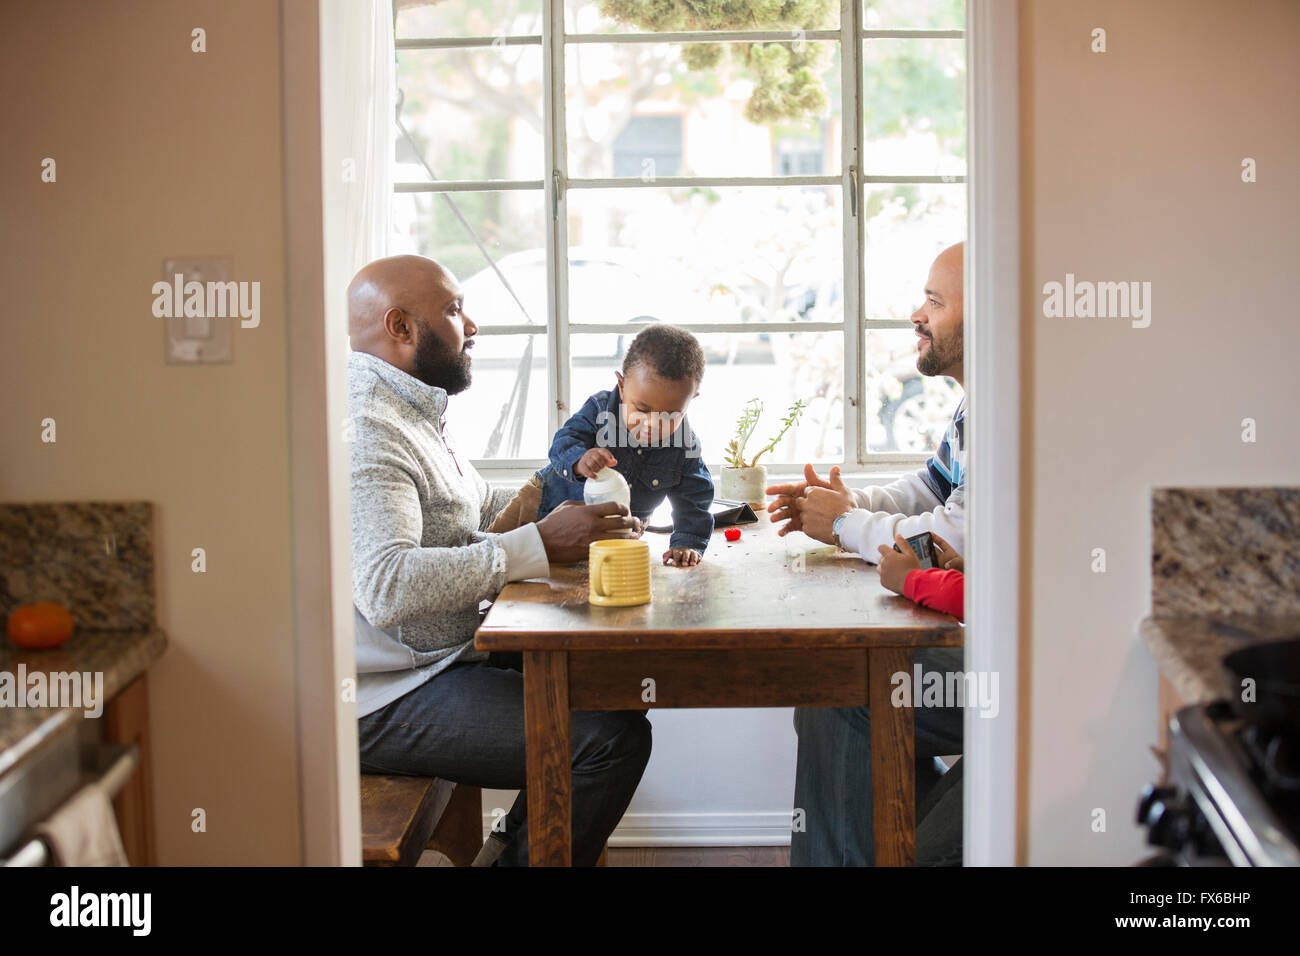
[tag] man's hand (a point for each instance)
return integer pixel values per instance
(947, 555)
(820, 506)
(783, 508)
(568, 529)
(682, 557)
(895, 565)
(592, 460)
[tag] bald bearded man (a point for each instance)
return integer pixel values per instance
(833, 767)
(423, 561)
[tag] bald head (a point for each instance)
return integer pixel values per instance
(407, 310)
(950, 262)
(938, 322)
(396, 282)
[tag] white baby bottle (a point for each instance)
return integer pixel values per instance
(608, 485)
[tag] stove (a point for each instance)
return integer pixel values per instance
(1231, 796)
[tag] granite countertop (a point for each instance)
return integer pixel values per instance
(1190, 650)
(121, 656)
(1225, 574)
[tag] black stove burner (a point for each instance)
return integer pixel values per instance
(1275, 756)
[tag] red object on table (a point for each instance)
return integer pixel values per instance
(732, 534)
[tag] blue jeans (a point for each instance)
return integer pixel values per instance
(467, 725)
(833, 781)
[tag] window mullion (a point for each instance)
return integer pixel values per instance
(557, 236)
(855, 427)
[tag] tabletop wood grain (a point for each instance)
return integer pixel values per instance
(763, 591)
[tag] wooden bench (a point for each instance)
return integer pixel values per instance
(401, 817)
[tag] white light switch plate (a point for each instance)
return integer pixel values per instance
(196, 340)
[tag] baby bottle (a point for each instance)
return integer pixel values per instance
(608, 485)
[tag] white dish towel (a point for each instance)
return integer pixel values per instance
(83, 832)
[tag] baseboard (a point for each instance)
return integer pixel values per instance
(697, 829)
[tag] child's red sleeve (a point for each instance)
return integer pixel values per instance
(939, 589)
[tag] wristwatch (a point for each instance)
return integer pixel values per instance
(835, 529)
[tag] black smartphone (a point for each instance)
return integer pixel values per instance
(923, 547)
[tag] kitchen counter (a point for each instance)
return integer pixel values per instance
(1189, 650)
(1225, 573)
(96, 559)
(121, 656)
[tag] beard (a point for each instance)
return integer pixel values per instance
(939, 357)
(437, 366)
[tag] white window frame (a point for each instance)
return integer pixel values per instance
(555, 186)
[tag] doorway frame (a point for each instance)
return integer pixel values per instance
(992, 346)
(326, 722)
(329, 779)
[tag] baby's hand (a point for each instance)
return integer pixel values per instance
(592, 461)
(682, 557)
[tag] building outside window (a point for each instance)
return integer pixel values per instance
(779, 188)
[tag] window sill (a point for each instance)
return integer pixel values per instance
(861, 477)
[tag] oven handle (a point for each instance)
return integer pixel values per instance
(35, 853)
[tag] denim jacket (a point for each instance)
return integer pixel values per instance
(675, 470)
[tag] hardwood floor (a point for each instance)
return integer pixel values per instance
(699, 856)
(673, 856)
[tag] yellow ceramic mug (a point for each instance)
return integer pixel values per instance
(620, 572)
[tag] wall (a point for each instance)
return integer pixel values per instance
(1131, 166)
(161, 152)
(716, 777)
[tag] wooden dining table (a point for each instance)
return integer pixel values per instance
(765, 621)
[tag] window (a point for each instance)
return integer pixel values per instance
(778, 188)
(649, 146)
(798, 157)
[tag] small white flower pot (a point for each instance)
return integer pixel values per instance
(745, 484)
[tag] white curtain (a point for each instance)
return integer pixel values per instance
(357, 81)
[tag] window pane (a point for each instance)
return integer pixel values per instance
(503, 414)
(913, 99)
(906, 411)
(474, 114)
(730, 109)
(509, 223)
(907, 226)
(691, 255)
(429, 19)
(914, 14)
(777, 367)
(587, 17)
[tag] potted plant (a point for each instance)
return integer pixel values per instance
(746, 481)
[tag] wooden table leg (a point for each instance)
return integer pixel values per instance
(546, 731)
(893, 743)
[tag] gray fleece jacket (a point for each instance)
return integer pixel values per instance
(421, 562)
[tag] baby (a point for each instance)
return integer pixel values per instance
(640, 430)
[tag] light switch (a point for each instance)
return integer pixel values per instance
(198, 327)
(196, 339)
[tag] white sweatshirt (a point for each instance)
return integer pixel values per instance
(933, 499)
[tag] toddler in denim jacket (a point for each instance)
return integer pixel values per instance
(639, 429)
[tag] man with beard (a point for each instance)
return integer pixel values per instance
(833, 770)
(428, 702)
